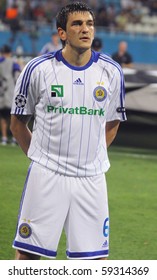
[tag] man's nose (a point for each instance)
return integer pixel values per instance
(84, 27)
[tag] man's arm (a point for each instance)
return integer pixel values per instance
(20, 130)
(111, 131)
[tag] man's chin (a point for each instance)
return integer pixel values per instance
(83, 49)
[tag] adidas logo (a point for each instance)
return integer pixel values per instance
(105, 244)
(78, 82)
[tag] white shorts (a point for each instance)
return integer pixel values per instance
(51, 202)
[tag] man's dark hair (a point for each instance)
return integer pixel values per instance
(97, 44)
(6, 49)
(62, 16)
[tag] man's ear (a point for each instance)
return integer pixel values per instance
(62, 34)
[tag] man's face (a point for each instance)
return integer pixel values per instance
(80, 30)
(123, 47)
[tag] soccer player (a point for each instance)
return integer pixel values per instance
(9, 72)
(77, 98)
(122, 56)
(52, 46)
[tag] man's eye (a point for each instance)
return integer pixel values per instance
(90, 23)
(77, 23)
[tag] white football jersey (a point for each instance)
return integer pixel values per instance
(71, 106)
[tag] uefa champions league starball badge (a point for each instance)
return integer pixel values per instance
(20, 101)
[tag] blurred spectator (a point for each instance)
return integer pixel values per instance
(12, 19)
(102, 17)
(52, 46)
(39, 13)
(113, 15)
(2, 8)
(111, 11)
(12, 12)
(127, 4)
(9, 72)
(122, 56)
(97, 44)
(153, 7)
(122, 20)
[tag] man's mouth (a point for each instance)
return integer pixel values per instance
(84, 39)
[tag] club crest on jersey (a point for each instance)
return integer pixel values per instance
(57, 90)
(25, 230)
(100, 93)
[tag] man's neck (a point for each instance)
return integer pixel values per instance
(76, 58)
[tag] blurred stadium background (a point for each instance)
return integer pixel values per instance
(27, 25)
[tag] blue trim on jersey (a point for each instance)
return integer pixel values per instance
(27, 75)
(76, 255)
(29, 69)
(19, 111)
(94, 58)
(2, 59)
(35, 249)
(82, 125)
(69, 136)
(25, 185)
(122, 92)
(95, 55)
(23, 194)
(16, 67)
(89, 138)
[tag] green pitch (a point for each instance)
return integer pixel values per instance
(132, 189)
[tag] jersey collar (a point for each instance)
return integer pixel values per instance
(94, 58)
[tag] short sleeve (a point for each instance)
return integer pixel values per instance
(25, 95)
(116, 109)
